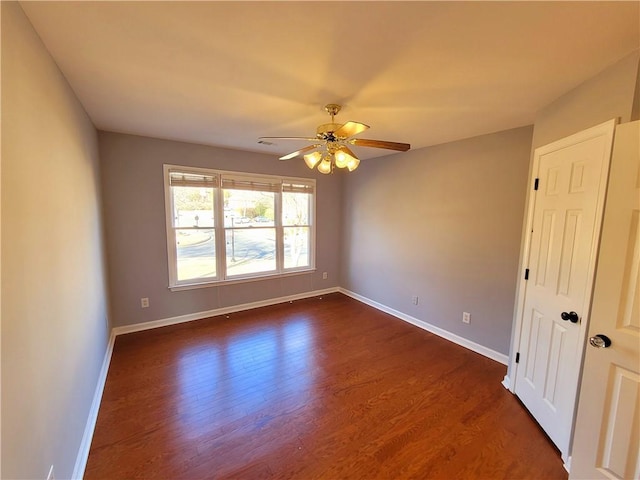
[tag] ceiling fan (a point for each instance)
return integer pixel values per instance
(331, 144)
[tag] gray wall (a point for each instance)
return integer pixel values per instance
(133, 196)
(54, 326)
(442, 223)
(607, 95)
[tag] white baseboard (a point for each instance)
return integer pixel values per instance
(452, 337)
(506, 382)
(87, 437)
(83, 453)
(138, 327)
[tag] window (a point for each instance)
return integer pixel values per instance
(227, 226)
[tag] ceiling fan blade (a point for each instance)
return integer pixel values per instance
(363, 142)
(306, 139)
(350, 129)
(298, 152)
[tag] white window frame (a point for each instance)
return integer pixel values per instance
(220, 229)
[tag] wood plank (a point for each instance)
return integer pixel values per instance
(317, 388)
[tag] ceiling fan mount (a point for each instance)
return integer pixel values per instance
(332, 143)
(333, 109)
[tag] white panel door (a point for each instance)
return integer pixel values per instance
(565, 219)
(607, 434)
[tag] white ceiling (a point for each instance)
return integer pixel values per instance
(225, 73)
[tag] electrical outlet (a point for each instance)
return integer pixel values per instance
(51, 475)
(414, 299)
(466, 317)
(325, 275)
(144, 302)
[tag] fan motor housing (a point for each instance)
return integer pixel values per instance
(326, 130)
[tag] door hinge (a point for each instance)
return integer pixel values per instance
(536, 183)
(518, 357)
(526, 274)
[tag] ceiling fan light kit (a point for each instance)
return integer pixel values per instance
(325, 165)
(312, 159)
(331, 145)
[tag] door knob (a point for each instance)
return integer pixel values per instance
(571, 316)
(600, 341)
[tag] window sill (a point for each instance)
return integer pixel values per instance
(219, 283)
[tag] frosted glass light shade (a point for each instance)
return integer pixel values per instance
(312, 159)
(342, 158)
(325, 165)
(353, 163)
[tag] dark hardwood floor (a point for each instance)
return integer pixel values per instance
(320, 388)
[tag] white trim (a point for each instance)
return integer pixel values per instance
(506, 382)
(218, 283)
(87, 437)
(85, 445)
(138, 327)
(452, 337)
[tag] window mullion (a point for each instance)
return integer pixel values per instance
(220, 234)
(279, 232)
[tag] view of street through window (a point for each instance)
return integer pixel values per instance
(249, 232)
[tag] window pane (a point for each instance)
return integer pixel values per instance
(244, 207)
(296, 247)
(196, 253)
(295, 208)
(192, 207)
(250, 250)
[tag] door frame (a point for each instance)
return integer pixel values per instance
(604, 129)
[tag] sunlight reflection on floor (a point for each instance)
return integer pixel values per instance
(244, 375)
